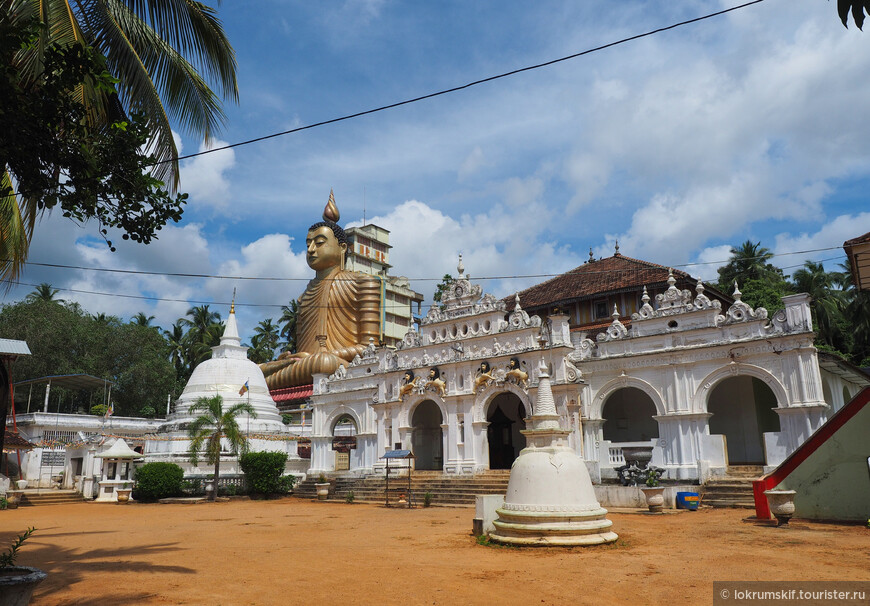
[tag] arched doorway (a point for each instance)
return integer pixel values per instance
(628, 416)
(505, 416)
(426, 439)
(743, 408)
(343, 441)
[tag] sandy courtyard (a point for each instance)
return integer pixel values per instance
(292, 551)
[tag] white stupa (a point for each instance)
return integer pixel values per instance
(225, 374)
(550, 500)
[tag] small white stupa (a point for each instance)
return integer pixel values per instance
(550, 500)
(230, 374)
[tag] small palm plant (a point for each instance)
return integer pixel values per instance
(214, 423)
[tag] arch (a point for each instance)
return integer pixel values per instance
(339, 412)
(340, 421)
(827, 395)
(427, 436)
(628, 414)
(485, 397)
(742, 408)
(406, 413)
(699, 401)
(618, 383)
(505, 415)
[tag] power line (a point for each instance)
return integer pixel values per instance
(422, 279)
(464, 86)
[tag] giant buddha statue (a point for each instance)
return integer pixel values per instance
(338, 312)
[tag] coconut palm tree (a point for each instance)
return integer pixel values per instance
(827, 304)
(749, 261)
(214, 424)
(287, 321)
(264, 342)
(43, 292)
(140, 319)
(165, 54)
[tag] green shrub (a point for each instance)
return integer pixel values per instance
(286, 484)
(286, 419)
(427, 499)
(157, 481)
(263, 470)
(349, 497)
(98, 409)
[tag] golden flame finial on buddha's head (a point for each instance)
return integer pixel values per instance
(330, 212)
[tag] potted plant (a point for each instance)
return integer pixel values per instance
(13, 498)
(653, 493)
(322, 486)
(17, 582)
(124, 492)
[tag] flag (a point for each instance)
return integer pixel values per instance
(111, 409)
(244, 388)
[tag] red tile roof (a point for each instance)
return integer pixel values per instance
(13, 441)
(595, 278)
(858, 240)
(292, 393)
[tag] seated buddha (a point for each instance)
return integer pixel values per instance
(338, 312)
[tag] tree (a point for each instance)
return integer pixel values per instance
(140, 319)
(55, 153)
(856, 7)
(287, 321)
(442, 287)
(214, 423)
(761, 283)
(43, 292)
(827, 302)
(264, 342)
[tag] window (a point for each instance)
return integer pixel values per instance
(601, 309)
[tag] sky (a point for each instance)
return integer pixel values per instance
(747, 126)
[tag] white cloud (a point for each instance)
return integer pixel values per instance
(832, 234)
(204, 178)
(472, 163)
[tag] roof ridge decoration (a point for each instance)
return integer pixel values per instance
(617, 329)
(519, 318)
(674, 301)
(740, 311)
(462, 298)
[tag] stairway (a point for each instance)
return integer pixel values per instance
(446, 490)
(733, 489)
(50, 497)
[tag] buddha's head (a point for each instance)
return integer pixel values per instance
(326, 245)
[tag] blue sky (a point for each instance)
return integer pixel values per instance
(750, 125)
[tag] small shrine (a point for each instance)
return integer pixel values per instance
(550, 499)
(117, 470)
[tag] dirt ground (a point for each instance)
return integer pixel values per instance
(292, 551)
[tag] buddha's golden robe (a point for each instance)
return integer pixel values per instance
(337, 315)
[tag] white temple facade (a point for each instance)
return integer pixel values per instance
(703, 387)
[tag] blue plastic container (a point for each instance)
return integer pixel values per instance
(688, 500)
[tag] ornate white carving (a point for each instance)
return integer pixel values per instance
(518, 318)
(572, 373)
(616, 330)
(646, 311)
(411, 339)
(740, 311)
(702, 301)
(673, 301)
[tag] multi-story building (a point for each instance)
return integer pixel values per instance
(369, 252)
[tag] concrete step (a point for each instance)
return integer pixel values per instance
(51, 497)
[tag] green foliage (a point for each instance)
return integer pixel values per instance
(286, 418)
(287, 321)
(98, 409)
(857, 8)
(483, 539)
(4, 503)
(149, 412)
(286, 484)
(766, 293)
(158, 480)
(442, 287)
(348, 498)
(64, 339)
(427, 499)
(8, 557)
(263, 470)
(322, 479)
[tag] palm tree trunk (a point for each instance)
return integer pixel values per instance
(217, 476)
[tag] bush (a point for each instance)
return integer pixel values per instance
(286, 484)
(157, 481)
(99, 409)
(263, 470)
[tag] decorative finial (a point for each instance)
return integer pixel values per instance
(645, 297)
(330, 212)
(616, 252)
(615, 314)
(517, 302)
(699, 288)
(671, 279)
(233, 304)
(460, 267)
(736, 294)
(591, 256)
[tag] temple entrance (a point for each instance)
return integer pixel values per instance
(506, 414)
(628, 414)
(343, 441)
(426, 438)
(743, 409)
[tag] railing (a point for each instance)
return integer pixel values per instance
(231, 482)
(616, 457)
